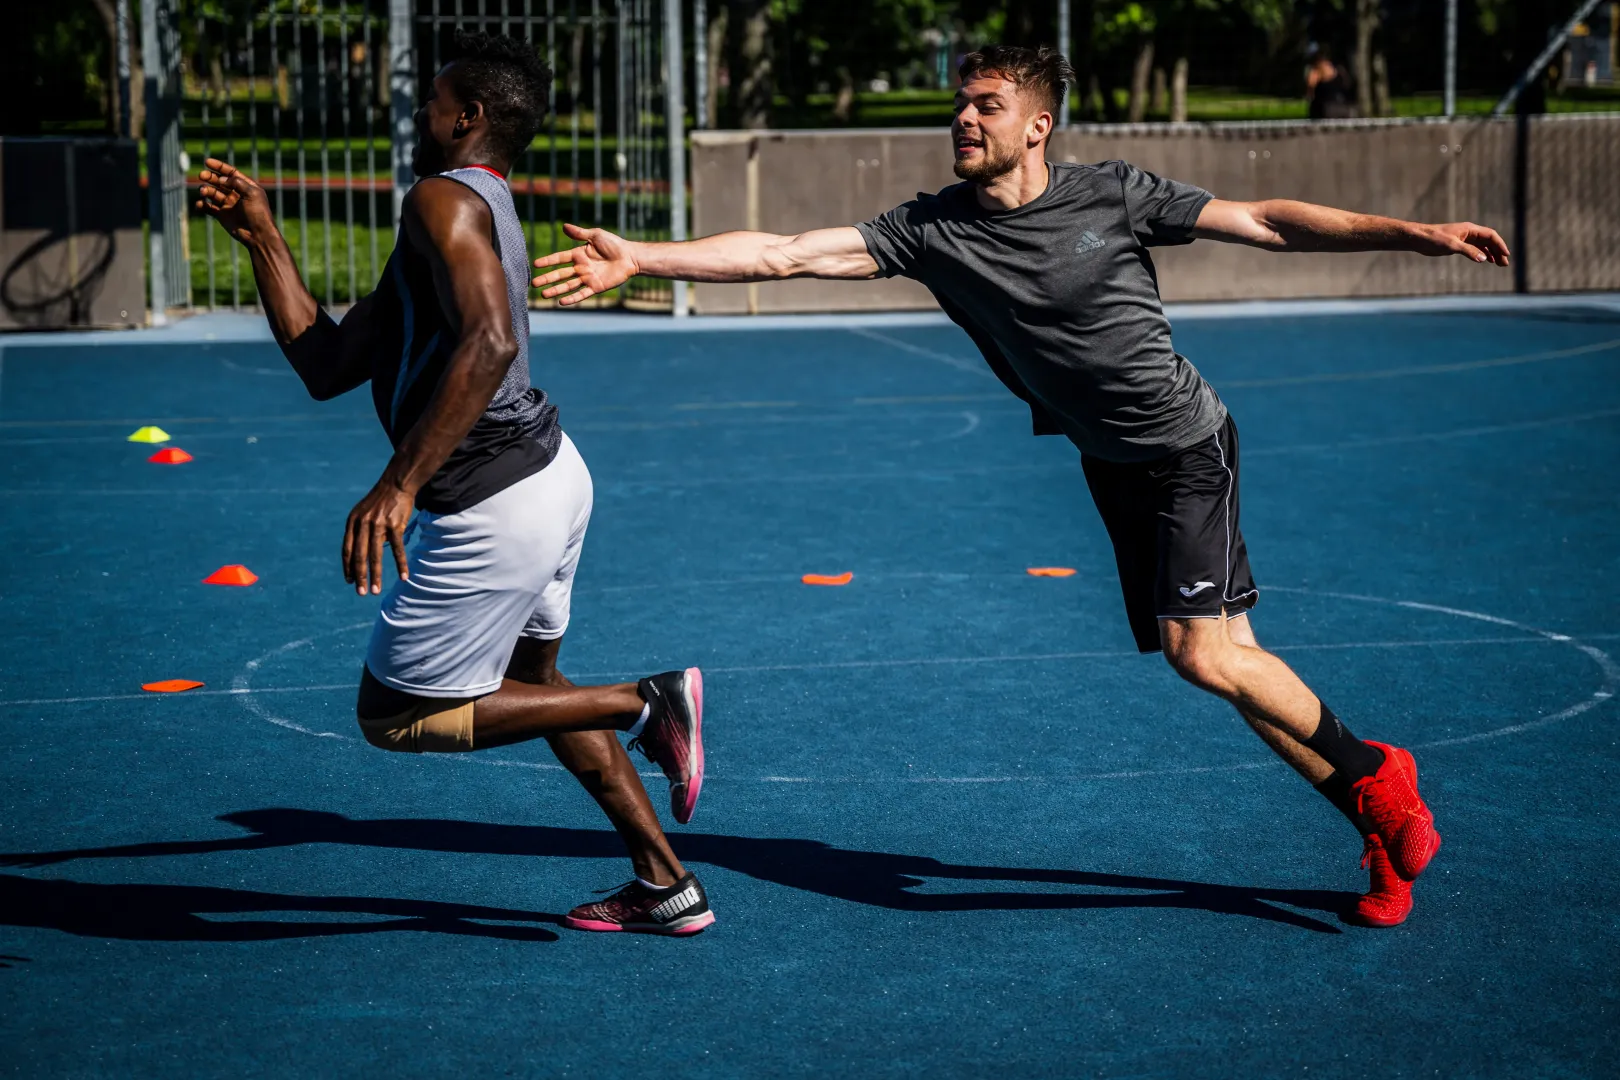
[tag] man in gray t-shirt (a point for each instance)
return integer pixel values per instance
(1048, 269)
(1103, 372)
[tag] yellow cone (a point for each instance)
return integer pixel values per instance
(150, 434)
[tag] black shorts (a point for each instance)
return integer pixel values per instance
(1174, 524)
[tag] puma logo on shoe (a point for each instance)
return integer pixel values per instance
(1198, 587)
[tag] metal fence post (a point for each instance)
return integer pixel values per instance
(675, 108)
(1063, 47)
(700, 64)
(152, 72)
(1451, 58)
(401, 92)
(125, 106)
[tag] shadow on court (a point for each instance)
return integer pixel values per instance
(862, 877)
(179, 913)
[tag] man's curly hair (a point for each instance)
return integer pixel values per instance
(511, 81)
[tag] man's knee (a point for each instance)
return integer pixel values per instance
(429, 726)
(1202, 663)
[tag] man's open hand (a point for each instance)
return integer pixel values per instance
(1474, 242)
(602, 262)
(378, 518)
(236, 201)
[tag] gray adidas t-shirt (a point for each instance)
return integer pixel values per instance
(1061, 297)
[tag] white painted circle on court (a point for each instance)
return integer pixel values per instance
(1609, 671)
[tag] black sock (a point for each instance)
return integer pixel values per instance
(1348, 755)
(1336, 790)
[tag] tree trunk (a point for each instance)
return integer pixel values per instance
(717, 45)
(216, 76)
(753, 76)
(1140, 73)
(844, 104)
(1380, 68)
(381, 74)
(1178, 92)
(1161, 93)
(109, 19)
(1366, 27)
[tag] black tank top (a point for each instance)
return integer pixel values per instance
(518, 434)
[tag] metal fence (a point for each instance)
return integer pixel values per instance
(314, 99)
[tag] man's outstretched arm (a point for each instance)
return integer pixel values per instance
(1286, 225)
(331, 358)
(604, 261)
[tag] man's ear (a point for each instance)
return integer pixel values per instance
(471, 114)
(1039, 128)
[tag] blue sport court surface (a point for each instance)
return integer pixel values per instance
(953, 823)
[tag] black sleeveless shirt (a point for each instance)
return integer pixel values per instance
(518, 434)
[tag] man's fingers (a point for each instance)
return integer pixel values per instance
(359, 562)
(555, 276)
(565, 287)
(576, 232)
(1494, 246)
(348, 549)
(575, 297)
(397, 542)
(374, 552)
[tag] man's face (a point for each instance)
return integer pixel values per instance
(436, 127)
(991, 130)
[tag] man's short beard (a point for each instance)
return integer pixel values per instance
(991, 166)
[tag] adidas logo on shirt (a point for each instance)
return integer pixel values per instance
(1089, 241)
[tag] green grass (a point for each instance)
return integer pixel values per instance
(232, 283)
(925, 108)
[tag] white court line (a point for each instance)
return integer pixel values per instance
(241, 688)
(1423, 369)
(1606, 665)
(606, 487)
(224, 328)
(975, 366)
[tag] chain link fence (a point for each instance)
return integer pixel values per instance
(314, 99)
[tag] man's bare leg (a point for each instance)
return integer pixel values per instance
(596, 758)
(1223, 657)
(1301, 758)
(1258, 684)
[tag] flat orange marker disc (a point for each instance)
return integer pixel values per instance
(170, 686)
(828, 579)
(1051, 571)
(235, 574)
(170, 455)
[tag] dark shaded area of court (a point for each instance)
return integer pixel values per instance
(953, 822)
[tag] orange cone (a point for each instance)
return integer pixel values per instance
(234, 574)
(170, 455)
(1051, 571)
(171, 686)
(828, 579)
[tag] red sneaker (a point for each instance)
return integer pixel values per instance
(1390, 800)
(1389, 899)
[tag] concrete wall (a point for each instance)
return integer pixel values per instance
(70, 234)
(1429, 171)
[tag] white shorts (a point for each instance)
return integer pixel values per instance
(482, 578)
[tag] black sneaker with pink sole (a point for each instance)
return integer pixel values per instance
(681, 908)
(672, 738)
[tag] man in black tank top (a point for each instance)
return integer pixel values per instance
(483, 483)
